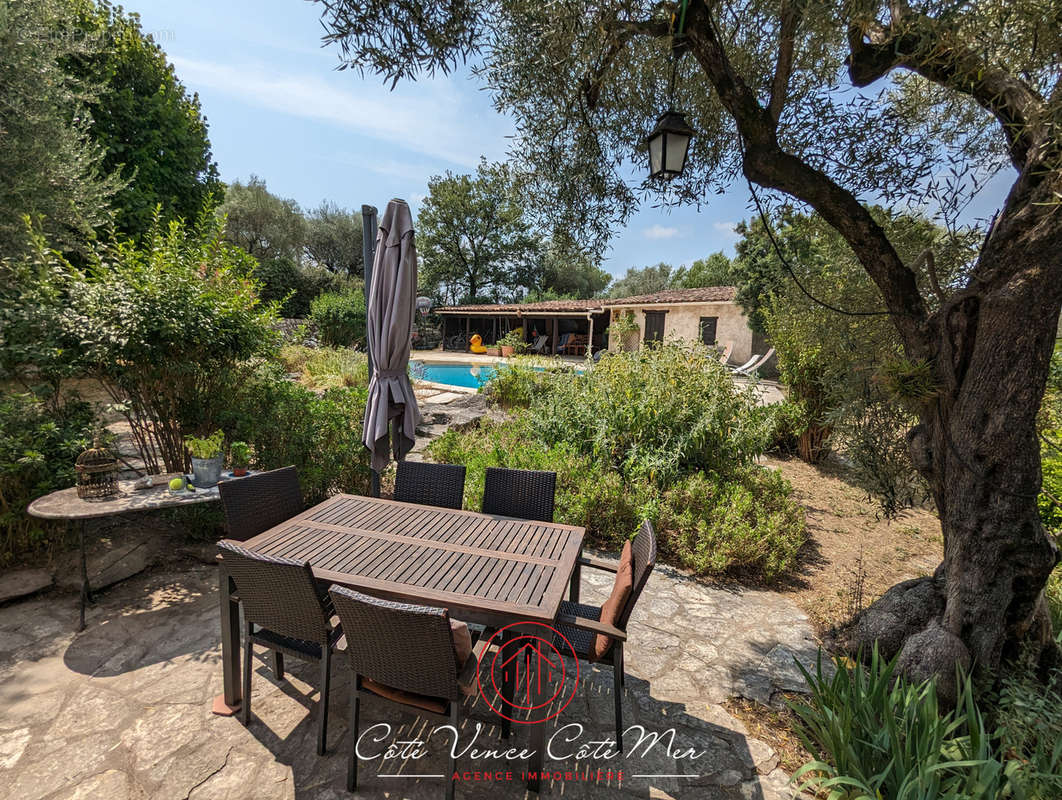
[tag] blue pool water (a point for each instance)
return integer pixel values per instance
(470, 376)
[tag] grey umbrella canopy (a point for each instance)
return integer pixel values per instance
(390, 309)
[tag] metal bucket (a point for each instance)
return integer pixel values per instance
(206, 472)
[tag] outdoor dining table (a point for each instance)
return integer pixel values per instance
(482, 568)
(65, 505)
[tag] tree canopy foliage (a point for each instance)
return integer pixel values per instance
(152, 131)
(475, 240)
(51, 167)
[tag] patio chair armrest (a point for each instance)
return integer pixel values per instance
(598, 563)
(594, 626)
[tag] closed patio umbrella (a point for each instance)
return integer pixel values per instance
(389, 312)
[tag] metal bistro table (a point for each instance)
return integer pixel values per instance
(482, 568)
(66, 505)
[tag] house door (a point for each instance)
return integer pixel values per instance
(654, 326)
(708, 325)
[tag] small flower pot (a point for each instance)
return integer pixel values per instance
(206, 471)
(506, 351)
(494, 351)
(239, 472)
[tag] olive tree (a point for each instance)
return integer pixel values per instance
(834, 103)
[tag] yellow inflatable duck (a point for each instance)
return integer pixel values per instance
(475, 344)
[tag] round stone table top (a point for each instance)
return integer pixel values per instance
(65, 504)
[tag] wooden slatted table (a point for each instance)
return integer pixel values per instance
(480, 567)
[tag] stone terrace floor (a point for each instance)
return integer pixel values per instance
(122, 710)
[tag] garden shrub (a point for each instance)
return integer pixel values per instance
(658, 413)
(287, 424)
(516, 384)
(340, 318)
(39, 443)
(291, 286)
(168, 329)
(745, 524)
(882, 736)
(325, 367)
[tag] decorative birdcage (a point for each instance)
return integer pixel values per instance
(97, 472)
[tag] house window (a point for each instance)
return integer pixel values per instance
(708, 326)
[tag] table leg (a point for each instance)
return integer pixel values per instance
(84, 575)
(538, 743)
(229, 702)
(577, 577)
(508, 684)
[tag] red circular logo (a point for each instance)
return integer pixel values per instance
(527, 673)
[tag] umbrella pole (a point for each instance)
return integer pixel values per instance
(368, 253)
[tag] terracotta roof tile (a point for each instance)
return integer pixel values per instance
(706, 295)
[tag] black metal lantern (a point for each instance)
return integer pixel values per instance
(669, 144)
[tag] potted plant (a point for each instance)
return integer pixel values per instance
(625, 332)
(240, 458)
(493, 350)
(511, 342)
(207, 455)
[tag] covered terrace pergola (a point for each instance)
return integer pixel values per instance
(551, 318)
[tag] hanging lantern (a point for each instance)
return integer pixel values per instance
(423, 305)
(668, 145)
(97, 472)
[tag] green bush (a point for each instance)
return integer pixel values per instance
(710, 525)
(516, 384)
(340, 318)
(745, 524)
(659, 413)
(39, 443)
(326, 367)
(287, 424)
(169, 329)
(881, 736)
(291, 286)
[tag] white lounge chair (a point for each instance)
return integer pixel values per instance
(539, 345)
(725, 355)
(741, 370)
(747, 369)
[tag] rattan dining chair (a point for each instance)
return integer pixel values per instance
(427, 484)
(406, 654)
(597, 633)
(285, 611)
(258, 502)
(521, 493)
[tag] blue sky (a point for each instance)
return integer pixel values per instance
(278, 108)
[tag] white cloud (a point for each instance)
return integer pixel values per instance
(431, 118)
(660, 232)
(727, 229)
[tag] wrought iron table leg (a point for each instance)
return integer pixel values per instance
(84, 575)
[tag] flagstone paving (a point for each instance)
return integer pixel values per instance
(122, 710)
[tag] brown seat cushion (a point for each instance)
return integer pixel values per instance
(435, 705)
(617, 601)
(462, 651)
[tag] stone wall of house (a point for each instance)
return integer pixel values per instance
(683, 321)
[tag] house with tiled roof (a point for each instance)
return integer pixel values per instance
(710, 315)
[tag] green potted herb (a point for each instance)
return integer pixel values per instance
(240, 458)
(511, 342)
(207, 456)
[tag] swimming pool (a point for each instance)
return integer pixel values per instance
(469, 376)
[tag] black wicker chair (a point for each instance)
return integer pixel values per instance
(440, 485)
(258, 502)
(521, 493)
(581, 624)
(283, 610)
(403, 653)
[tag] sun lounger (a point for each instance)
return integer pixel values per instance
(748, 369)
(540, 344)
(725, 355)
